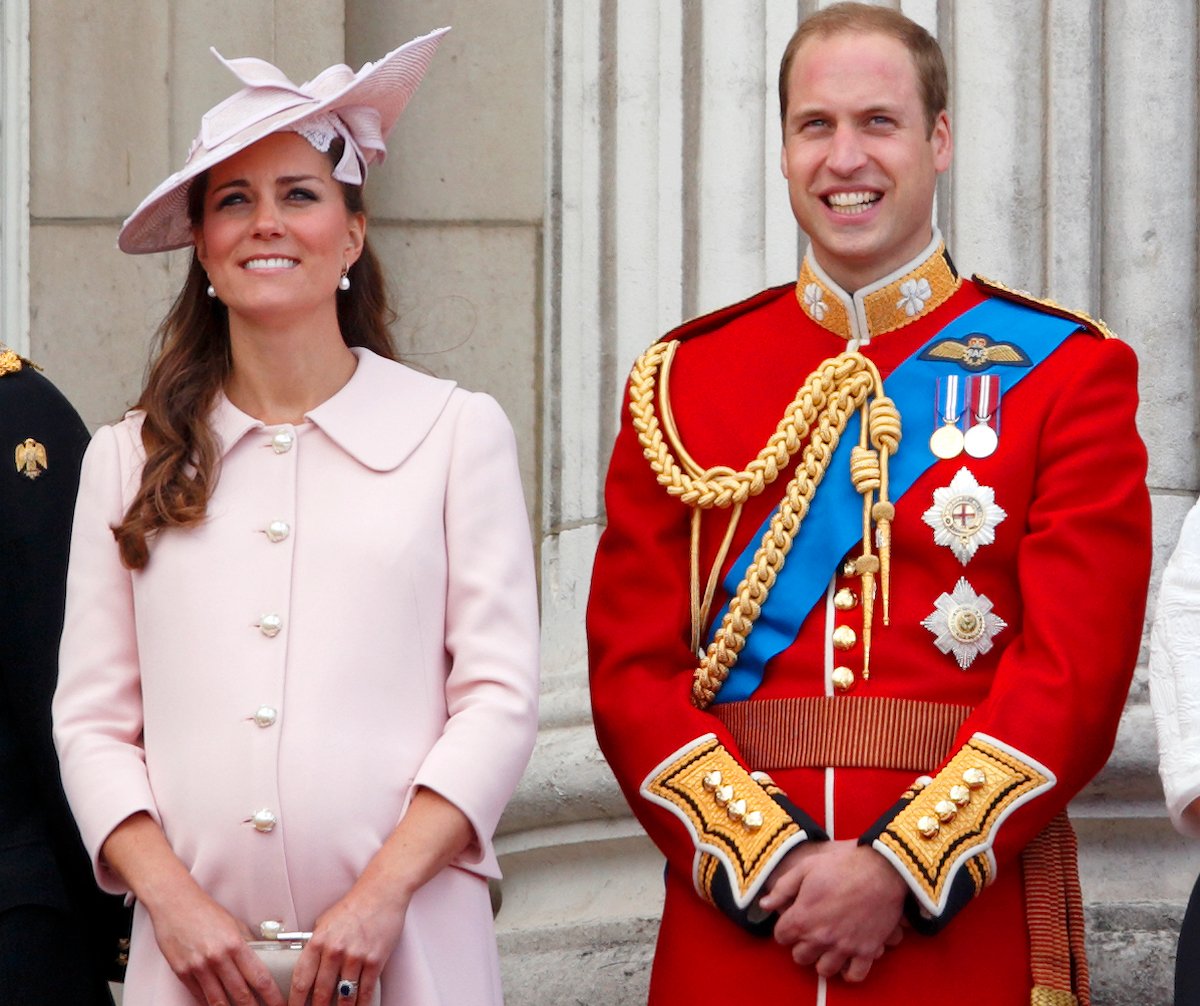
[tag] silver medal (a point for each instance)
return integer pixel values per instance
(946, 441)
(980, 441)
(964, 515)
(983, 394)
(963, 624)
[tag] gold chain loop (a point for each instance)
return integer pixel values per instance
(812, 425)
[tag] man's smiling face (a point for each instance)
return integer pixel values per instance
(860, 159)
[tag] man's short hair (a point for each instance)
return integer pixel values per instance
(932, 80)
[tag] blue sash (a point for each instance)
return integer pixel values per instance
(834, 521)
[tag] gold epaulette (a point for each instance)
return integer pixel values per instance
(10, 362)
(1094, 325)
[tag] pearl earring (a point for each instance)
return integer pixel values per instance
(211, 291)
(344, 282)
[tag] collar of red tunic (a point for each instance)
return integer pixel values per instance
(892, 302)
(379, 417)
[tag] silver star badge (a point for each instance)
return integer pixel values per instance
(964, 515)
(963, 624)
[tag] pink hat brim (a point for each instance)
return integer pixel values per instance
(160, 223)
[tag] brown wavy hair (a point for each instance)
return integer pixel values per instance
(190, 361)
(932, 79)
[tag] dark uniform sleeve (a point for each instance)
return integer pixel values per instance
(717, 820)
(42, 441)
(1050, 719)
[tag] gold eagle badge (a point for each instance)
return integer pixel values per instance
(976, 352)
(31, 458)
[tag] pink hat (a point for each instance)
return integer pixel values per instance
(360, 107)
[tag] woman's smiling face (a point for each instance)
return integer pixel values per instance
(276, 235)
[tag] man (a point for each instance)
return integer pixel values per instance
(849, 684)
(58, 934)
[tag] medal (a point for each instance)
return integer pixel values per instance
(963, 624)
(946, 442)
(964, 515)
(983, 399)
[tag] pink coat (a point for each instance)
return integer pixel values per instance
(356, 617)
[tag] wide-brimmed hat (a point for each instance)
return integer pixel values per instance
(360, 107)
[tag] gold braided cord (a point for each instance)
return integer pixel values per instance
(699, 605)
(702, 605)
(813, 422)
(718, 487)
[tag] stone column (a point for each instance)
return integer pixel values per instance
(14, 174)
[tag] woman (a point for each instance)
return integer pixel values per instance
(1175, 696)
(299, 673)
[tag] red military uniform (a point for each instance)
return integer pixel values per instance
(1003, 696)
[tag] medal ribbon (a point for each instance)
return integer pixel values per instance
(834, 521)
(984, 395)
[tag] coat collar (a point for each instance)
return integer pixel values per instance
(379, 418)
(892, 302)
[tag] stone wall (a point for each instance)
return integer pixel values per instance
(577, 176)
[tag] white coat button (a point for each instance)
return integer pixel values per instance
(282, 441)
(278, 530)
(264, 820)
(269, 625)
(265, 716)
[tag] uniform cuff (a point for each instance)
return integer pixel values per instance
(740, 822)
(939, 835)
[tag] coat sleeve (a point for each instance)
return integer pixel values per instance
(98, 703)
(1175, 676)
(1050, 718)
(491, 627)
(35, 529)
(717, 820)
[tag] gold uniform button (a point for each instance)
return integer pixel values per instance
(753, 820)
(928, 827)
(850, 567)
(946, 810)
(736, 809)
(960, 795)
(974, 777)
(845, 599)
(844, 638)
(843, 678)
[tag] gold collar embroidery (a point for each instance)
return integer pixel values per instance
(885, 305)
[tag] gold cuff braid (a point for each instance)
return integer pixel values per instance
(729, 813)
(950, 822)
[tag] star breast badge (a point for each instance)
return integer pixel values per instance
(963, 624)
(964, 515)
(31, 458)
(977, 352)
